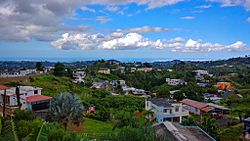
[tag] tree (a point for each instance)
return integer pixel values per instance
(59, 69)
(66, 107)
(39, 66)
(18, 97)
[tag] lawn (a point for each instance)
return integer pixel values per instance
(96, 126)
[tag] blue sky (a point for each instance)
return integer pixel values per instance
(108, 29)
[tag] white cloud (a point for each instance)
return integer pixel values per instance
(98, 41)
(227, 3)
(248, 19)
(100, 19)
(204, 6)
(130, 41)
(199, 46)
(84, 8)
(146, 29)
(176, 40)
(111, 8)
(188, 18)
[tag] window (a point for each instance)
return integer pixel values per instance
(177, 109)
(35, 91)
(170, 111)
(165, 110)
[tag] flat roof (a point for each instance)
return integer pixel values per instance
(163, 102)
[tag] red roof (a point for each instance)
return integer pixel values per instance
(194, 103)
(3, 87)
(36, 98)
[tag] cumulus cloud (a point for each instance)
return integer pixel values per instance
(99, 41)
(130, 41)
(187, 18)
(199, 46)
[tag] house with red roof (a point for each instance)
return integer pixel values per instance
(31, 98)
(196, 107)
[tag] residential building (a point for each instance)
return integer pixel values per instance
(200, 74)
(134, 91)
(133, 69)
(176, 132)
(145, 69)
(78, 76)
(104, 70)
(166, 110)
(175, 82)
(224, 86)
(219, 109)
(100, 85)
(31, 98)
(196, 107)
(118, 82)
(212, 98)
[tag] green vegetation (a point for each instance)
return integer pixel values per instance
(66, 107)
(231, 134)
(96, 127)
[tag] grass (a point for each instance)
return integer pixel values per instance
(96, 126)
(231, 134)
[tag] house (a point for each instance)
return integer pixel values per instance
(219, 109)
(10, 74)
(31, 98)
(176, 132)
(202, 84)
(200, 74)
(118, 82)
(104, 70)
(246, 133)
(224, 86)
(212, 97)
(145, 69)
(196, 107)
(175, 82)
(134, 91)
(166, 110)
(100, 85)
(133, 69)
(78, 76)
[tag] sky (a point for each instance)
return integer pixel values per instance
(127, 29)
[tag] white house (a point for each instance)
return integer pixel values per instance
(201, 73)
(175, 81)
(166, 110)
(78, 76)
(145, 69)
(134, 91)
(31, 98)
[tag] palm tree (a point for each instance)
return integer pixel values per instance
(66, 107)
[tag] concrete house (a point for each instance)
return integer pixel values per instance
(78, 76)
(104, 70)
(175, 82)
(196, 107)
(31, 98)
(166, 110)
